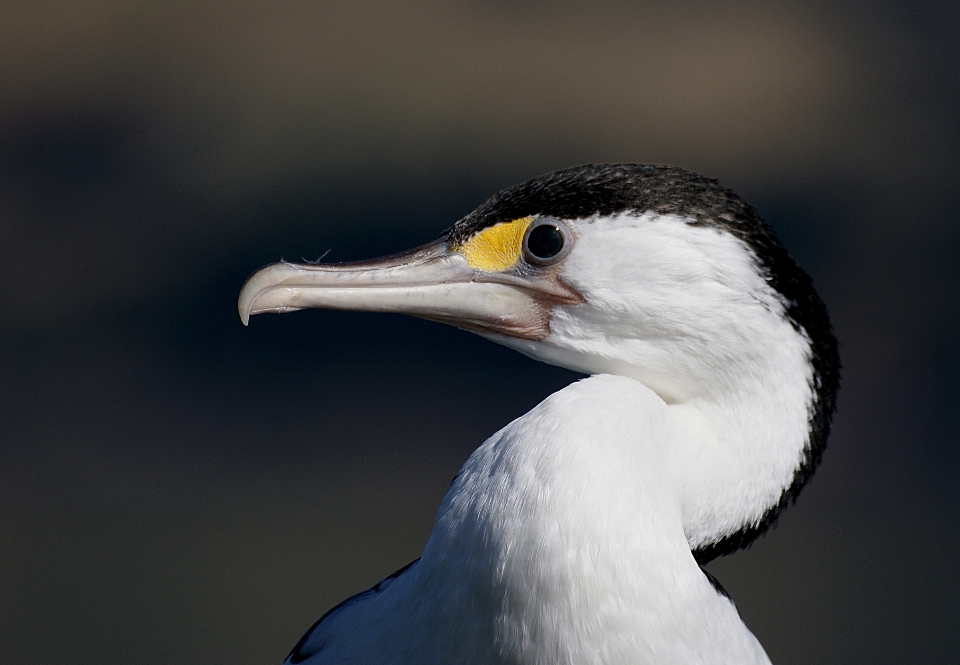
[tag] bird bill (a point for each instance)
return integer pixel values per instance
(429, 282)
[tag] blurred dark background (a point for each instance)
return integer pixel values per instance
(176, 488)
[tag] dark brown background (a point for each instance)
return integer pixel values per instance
(175, 488)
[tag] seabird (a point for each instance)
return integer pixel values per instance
(576, 533)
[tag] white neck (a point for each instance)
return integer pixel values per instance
(571, 511)
(740, 447)
(685, 310)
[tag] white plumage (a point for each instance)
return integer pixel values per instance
(574, 534)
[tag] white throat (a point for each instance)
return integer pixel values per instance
(684, 309)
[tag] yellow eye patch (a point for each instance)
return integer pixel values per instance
(495, 248)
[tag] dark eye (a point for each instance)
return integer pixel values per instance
(546, 241)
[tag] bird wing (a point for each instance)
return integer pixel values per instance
(325, 630)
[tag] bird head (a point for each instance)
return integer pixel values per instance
(651, 272)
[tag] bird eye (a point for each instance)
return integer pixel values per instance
(546, 242)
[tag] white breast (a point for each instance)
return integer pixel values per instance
(561, 541)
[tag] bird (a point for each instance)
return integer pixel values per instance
(576, 534)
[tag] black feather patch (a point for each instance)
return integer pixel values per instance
(299, 653)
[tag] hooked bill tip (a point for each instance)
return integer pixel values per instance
(243, 308)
